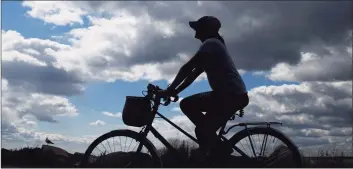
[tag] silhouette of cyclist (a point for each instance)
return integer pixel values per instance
(228, 93)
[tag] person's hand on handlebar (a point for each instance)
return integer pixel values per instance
(163, 94)
(168, 93)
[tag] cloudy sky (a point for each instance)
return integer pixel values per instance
(67, 66)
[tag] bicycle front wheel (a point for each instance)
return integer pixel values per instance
(266, 147)
(120, 149)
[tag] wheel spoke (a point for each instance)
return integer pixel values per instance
(99, 149)
(252, 146)
(255, 144)
(104, 147)
(120, 144)
(125, 143)
(249, 147)
(239, 151)
(135, 145)
(242, 145)
(130, 144)
(263, 145)
(273, 147)
(262, 138)
(109, 146)
(275, 143)
(114, 143)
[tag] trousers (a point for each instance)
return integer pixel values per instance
(218, 108)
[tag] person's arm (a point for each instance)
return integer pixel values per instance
(183, 73)
(188, 80)
(197, 62)
(186, 70)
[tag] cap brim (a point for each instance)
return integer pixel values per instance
(193, 25)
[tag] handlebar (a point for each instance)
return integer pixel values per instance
(154, 94)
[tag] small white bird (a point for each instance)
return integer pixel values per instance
(48, 141)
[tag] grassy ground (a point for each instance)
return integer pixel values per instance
(34, 157)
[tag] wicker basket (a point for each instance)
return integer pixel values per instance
(137, 111)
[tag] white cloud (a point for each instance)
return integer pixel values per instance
(31, 51)
(122, 41)
(58, 13)
(259, 73)
(97, 123)
(35, 57)
(137, 24)
(32, 89)
(18, 104)
(17, 56)
(117, 115)
(57, 37)
(241, 71)
(312, 113)
(123, 36)
(314, 68)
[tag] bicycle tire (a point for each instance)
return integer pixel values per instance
(157, 163)
(273, 132)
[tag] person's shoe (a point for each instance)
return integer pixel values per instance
(199, 157)
(224, 149)
(198, 154)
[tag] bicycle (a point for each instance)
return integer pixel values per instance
(256, 158)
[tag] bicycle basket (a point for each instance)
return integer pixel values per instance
(137, 111)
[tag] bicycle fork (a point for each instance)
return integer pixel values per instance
(143, 134)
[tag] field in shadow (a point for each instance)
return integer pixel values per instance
(50, 156)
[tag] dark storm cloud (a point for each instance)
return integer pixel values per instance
(258, 34)
(45, 79)
(290, 27)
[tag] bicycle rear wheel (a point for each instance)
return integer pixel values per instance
(119, 156)
(255, 143)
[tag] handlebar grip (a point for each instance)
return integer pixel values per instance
(166, 103)
(176, 98)
(150, 86)
(157, 87)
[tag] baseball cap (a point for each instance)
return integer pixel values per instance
(206, 21)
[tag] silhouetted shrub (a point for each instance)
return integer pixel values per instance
(36, 158)
(327, 159)
(169, 158)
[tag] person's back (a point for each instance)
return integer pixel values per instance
(221, 72)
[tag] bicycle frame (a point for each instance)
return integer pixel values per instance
(156, 99)
(149, 128)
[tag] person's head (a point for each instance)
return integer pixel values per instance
(206, 27)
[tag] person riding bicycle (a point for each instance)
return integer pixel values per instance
(228, 93)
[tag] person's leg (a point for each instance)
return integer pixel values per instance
(221, 111)
(193, 106)
(207, 131)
